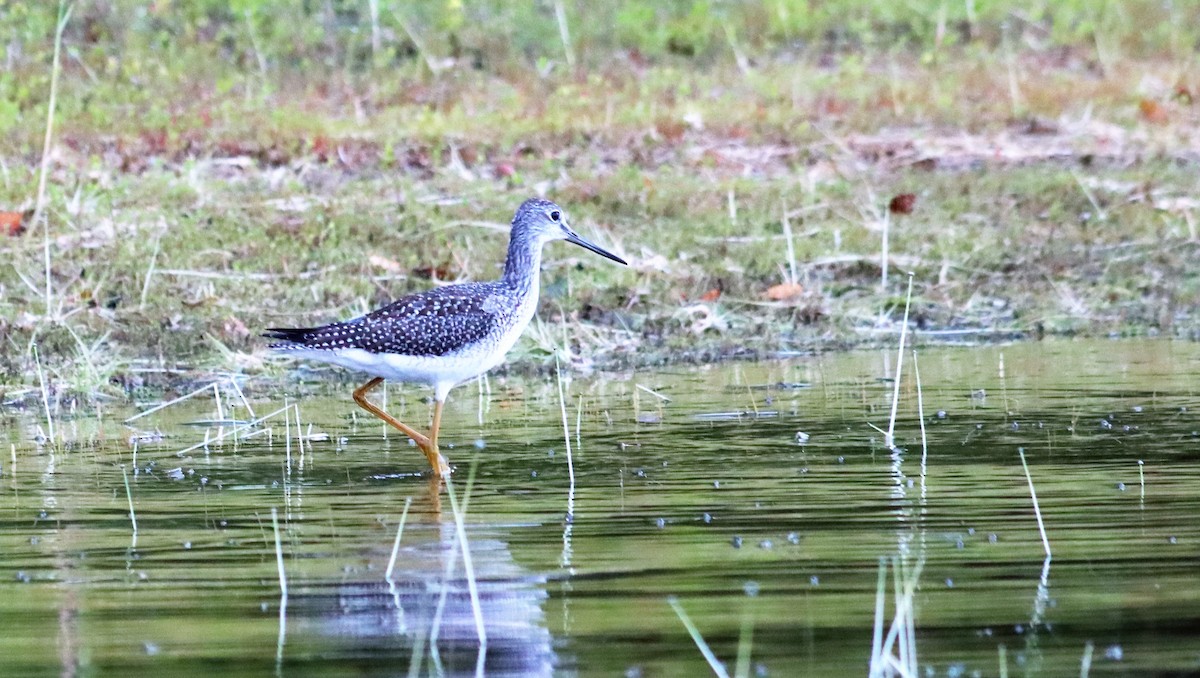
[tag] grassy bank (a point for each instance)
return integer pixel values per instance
(215, 169)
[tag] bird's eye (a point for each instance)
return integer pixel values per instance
(554, 216)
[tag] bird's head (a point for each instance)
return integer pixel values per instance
(545, 221)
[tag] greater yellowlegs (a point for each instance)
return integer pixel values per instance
(443, 336)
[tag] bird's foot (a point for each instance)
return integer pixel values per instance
(437, 462)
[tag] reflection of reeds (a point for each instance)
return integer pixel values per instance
(896, 653)
(461, 530)
(396, 544)
(283, 593)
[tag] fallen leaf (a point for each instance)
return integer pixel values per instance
(711, 295)
(902, 203)
(671, 130)
(784, 291)
(386, 264)
(1152, 111)
(12, 223)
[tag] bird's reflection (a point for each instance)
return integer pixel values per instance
(422, 620)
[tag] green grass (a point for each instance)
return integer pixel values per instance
(285, 174)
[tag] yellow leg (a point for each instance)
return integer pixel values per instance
(428, 444)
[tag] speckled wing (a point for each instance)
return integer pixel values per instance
(432, 323)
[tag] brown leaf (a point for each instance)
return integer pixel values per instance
(902, 203)
(784, 291)
(1152, 111)
(12, 223)
(671, 130)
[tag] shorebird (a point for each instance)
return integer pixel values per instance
(446, 335)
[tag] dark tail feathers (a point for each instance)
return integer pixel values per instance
(294, 335)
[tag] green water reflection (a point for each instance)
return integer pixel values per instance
(690, 482)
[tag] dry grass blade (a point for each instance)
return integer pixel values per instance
(1085, 664)
(64, 15)
(1037, 509)
(161, 406)
(889, 439)
(716, 665)
(283, 588)
(129, 496)
(45, 394)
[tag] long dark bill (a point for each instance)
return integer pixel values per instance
(574, 238)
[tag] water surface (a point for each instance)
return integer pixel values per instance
(760, 496)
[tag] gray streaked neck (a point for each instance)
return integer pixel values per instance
(524, 262)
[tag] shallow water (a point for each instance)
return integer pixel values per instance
(690, 483)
